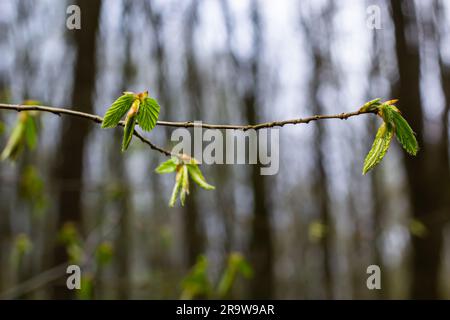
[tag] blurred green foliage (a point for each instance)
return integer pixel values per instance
(316, 231)
(417, 228)
(104, 253)
(86, 291)
(236, 265)
(197, 284)
(32, 189)
(71, 239)
(21, 247)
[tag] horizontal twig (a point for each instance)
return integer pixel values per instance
(78, 114)
(188, 124)
(272, 124)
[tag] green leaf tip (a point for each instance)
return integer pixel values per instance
(176, 188)
(197, 176)
(185, 168)
(393, 123)
(184, 184)
(128, 131)
(167, 166)
(405, 135)
(379, 147)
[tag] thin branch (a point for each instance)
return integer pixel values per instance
(78, 114)
(149, 143)
(98, 119)
(272, 124)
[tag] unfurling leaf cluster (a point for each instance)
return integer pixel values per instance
(185, 167)
(393, 124)
(137, 108)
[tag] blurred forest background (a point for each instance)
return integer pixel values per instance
(308, 232)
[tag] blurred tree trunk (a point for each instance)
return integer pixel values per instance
(193, 230)
(322, 72)
(376, 178)
(69, 165)
(159, 257)
(24, 63)
(443, 152)
(376, 181)
(320, 186)
(159, 54)
(118, 174)
(225, 174)
(123, 204)
(261, 243)
(428, 173)
(5, 226)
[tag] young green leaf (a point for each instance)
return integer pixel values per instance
(167, 166)
(371, 105)
(117, 110)
(387, 111)
(15, 142)
(148, 114)
(184, 184)
(379, 147)
(405, 134)
(128, 131)
(31, 132)
(176, 188)
(197, 176)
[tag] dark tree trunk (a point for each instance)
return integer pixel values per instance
(5, 226)
(322, 200)
(193, 229)
(428, 173)
(261, 243)
(69, 165)
(376, 178)
(261, 248)
(321, 65)
(124, 240)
